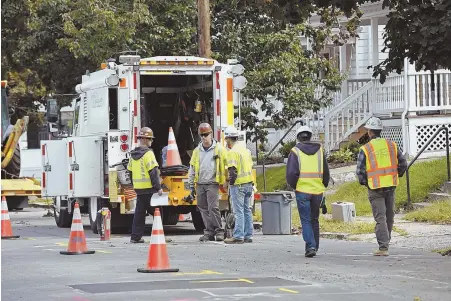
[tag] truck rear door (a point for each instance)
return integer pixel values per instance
(54, 181)
(85, 158)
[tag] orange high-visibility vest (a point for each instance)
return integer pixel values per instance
(381, 163)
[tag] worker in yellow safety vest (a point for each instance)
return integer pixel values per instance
(145, 177)
(308, 174)
(379, 165)
(239, 166)
(207, 172)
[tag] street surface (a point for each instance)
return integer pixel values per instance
(272, 268)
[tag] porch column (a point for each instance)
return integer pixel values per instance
(344, 69)
(374, 41)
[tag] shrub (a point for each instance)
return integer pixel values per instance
(343, 155)
(286, 148)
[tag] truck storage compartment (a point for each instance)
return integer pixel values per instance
(178, 101)
(86, 174)
(54, 180)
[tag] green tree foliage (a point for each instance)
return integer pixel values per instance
(418, 30)
(58, 40)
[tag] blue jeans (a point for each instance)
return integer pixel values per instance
(308, 207)
(241, 196)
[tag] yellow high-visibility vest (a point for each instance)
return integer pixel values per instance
(381, 163)
(140, 170)
(221, 161)
(240, 158)
(310, 172)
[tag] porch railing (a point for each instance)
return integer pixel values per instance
(422, 95)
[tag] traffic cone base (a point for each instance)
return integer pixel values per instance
(7, 230)
(158, 260)
(77, 241)
(10, 237)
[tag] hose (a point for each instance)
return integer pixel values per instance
(178, 170)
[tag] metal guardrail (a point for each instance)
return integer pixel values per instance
(443, 128)
(272, 150)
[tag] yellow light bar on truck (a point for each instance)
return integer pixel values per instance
(178, 63)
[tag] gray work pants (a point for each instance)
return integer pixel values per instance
(208, 203)
(383, 206)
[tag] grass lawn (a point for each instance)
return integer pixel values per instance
(425, 177)
(438, 213)
(275, 179)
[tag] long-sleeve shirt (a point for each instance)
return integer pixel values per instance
(362, 173)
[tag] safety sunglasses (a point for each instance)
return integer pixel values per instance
(205, 135)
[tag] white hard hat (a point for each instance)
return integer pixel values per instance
(231, 131)
(374, 123)
(304, 128)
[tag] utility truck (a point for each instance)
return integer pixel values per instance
(89, 166)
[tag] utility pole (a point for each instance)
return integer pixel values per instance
(203, 16)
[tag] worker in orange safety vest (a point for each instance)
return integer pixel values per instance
(379, 166)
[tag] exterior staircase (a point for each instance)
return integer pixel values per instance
(343, 122)
(443, 193)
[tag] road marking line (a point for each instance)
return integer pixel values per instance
(421, 279)
(207, 292)
(288, 290)
(223, 280)
(203, 272)
(62, 244)
(30, 238)
(102, 251)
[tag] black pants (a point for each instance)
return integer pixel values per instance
(139, 218)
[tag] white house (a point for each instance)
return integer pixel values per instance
(411, 106)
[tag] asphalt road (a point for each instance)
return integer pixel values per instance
(272, 268)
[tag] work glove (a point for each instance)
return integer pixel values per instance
(193, 192)
(323, 205)
(160, 192)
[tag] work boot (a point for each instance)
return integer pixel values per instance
(233, 240)
(248, 240)
(137, 241)
(207, 237)
(220, 237)
(310, 252)
(380, 252)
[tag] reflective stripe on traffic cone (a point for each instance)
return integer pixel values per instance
(172, 155)
(7, 230)
(158, 260)
(77, 241)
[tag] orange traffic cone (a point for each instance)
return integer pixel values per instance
(172, 155)
(7, 230)
(77, 240)
(158, 260)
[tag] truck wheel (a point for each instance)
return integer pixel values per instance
(198, 222)
(13, 168)
(62, 217)
(170, 218)
(94, 206)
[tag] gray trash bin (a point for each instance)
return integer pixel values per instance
(276, 212)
